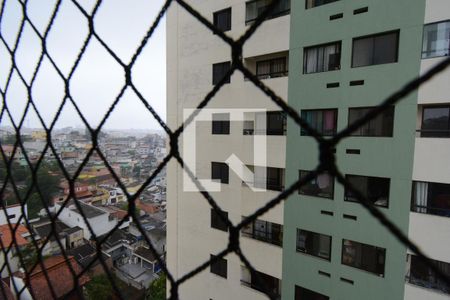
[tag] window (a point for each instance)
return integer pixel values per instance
(315, 244)
(431, 198)
(322, 120)
(253, 9)
(364, 257)
(268, 123)
(435, 122)
(314, 3)
(267, 178)
(219, 267)
(219, 72)
(222, 19)
(264, 231)
(436, 40)
(375, 189)
(261, 282)
(322, 58)
(11, 216)
(219, 171)
(305, 294)
(321, 186)
(375, 49)
(217, 222)
(420, 274)
(221, 124)
(272, 68)
(382, 125)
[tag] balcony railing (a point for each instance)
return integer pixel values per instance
(264, 236)
(437, 286)
(433, 133)
(430, 210)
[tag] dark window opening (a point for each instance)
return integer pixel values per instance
(364, 257)
(268, 232)
(222, 19)
(314, 3)
(221, 123)
(305, 294)
(219, 267)
(431, 198)
(420, 274)
(375, 49)
(322, 58)
(382, 125)
(253, 9)
(217, 222)
(324, 121)
(272, 68)
(435, 122)
(219, 72)
(314, 244)
(374, 189)
(321, 186)
(261, 282)
(219, 171)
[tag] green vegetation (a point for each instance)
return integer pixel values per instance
(157, 289)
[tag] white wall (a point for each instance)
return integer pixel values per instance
(10, 211)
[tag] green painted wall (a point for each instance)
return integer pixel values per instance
(383, 157)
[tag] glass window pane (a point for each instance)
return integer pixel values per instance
(362, 52)
(385, 48)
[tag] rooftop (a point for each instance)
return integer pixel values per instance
(7, 238)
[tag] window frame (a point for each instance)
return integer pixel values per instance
(272, 74)
(306, 4)
(312, 234)
(215, 80)
(423, 39)
(219, 267)
(397, 41)
(338, 42)
(318, 196)
(347, 199)
(423, 116)
(316, 294)
(322, 110)
(217, 222)
(266, 236)
(365, 124)
(361, 268)
(215, 18)
(272, 15)
(220, 127)
(223, 180)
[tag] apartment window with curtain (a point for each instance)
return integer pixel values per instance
(431, 198)
(219, 267)
(264, 231)
(261, 282)
(363, 256)
(253, 9)
(374, 189)
(221, 123)
(216, 220)
(436, 39)
(375, 49)
(219, 171)
(222, 19)
(381, 126)
(219, 72)
(421, 275)
(314, 244)
(323, 121)
(321, 186)
(435, 121)
(304, 294)
(272, 68)
(314, 3)
(322, 58)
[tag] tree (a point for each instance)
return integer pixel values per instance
(157, 289)
(29, 255)
(99, 288)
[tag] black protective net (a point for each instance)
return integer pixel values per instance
(78, 274)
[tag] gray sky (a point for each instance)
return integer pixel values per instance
(98, 78)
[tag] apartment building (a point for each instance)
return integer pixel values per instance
(344, 57)
(196, 60)
(357, 54)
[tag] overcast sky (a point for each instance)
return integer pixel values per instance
(98, 78)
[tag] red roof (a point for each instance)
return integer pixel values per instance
(60, 278)
(6, 235)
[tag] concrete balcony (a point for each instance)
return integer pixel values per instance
(269, 258)
(414, 292)
(436, 90)
(251, 201)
